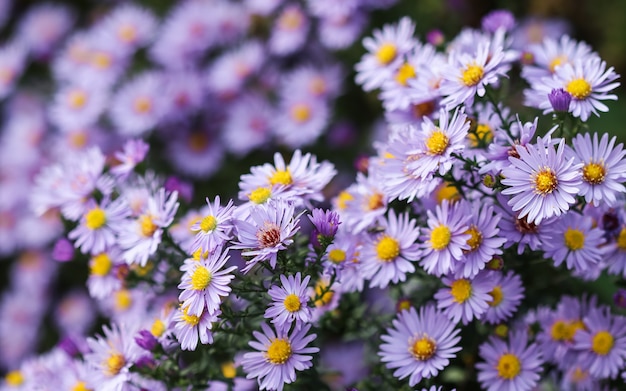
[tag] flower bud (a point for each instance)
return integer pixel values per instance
(560, 100)
(146, 340)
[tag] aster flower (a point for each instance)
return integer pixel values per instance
(301, 120)
(188, 328)
(506, 296)
(603, 168)
(97, 229)
(498, 19)
(229, 73)
(542, 181)
(325, 223)
(342, 257)
(103, 278)
(389, 256)
(205, 282)
(247, 124)
(551, 53)
(269, 229)
(133, 153)
(213, 229)
(196, 152)
(13, 57)
(129, 26)
(509, 366)
(44, 26)
(602, 343)
(289, 31)
(573, 239)
(418, 346)
(279, 355)
(445, 239)
(290, 302)
(560, 100)
(185, 95)
(325, 296)
(465, 299)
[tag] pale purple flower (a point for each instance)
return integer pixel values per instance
(213, 229)
(290, 30)
(289, 302)
(97, 229)
(465, 299)
(560, 100)
(498, 19)
(506, 296)
(190, 328)
(133, 153)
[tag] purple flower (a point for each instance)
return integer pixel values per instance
(63, 250)
(465, 299)
(326, 222)
(435, 37)
(290, 302)
(506, 296)
(620, 298)
(146, 340)
(498, 19)
(560, 100)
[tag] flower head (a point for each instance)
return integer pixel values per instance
(290, 302)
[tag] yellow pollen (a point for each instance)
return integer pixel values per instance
(199, 254)
(509, 366)
(621, 240)
(337, 255)
(461, 290)
(483, 134)
(208, 223)
(386, 53)
(579, 375)
(147, 225)
(405, 73)
(142, 271)
(437, 142)
(291, 19)
(127, 33)
(387, 248)
(114, 364)
(100, 265)
(260, 195)
(77, 99)
(343, 198)
(101, 60)
(476, 237)
(423, 349)
(496, 294)
(191, 320)
(602, 343)
(201, 278)
(472, 75)
(228, 370)
(301, 112)
(323, 294)
(556, 61)
(447, 192)
(80, 386)
(579, 88)
(14, 378)
(545, 181)
(142, 105)
(574, 239)
(292, 303)
(95, 218)
(501, 330)
(279, 351)
(158, 328)
(594, 173)
(404, 304)
(565, 331)
(281, 177)
(440, 237)
(78, 139)
(123, 299)
(375, 201)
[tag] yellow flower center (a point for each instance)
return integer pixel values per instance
(476, 237)
(594, 173)
(556, 61)
(123, 299)
(291, 19)
(208, 223)
(100, 265)
(508, 366)
(440, 237)
(447, 192)
(80, 386)
(77, 99)
(501, 330)
(148, 227)
(101, 60)
(437, 142)
(574, 239)
(461, 290)
(228, 370)
(201, 278)
(579, 88)
(579, 375)
(95, 218)
(483, 133)
(337, 255)
(564, 331)
(472, 75)
(343, 198)
(142, 105)
(158, 328)
(387, 248)
(375, 201)
(423, 349)
(405, 73)
(301, 112)
(191, 320)
(281, 177)
(260, 195)
(496, 294)
(317, 86)
(292, 303)
(323, 294)
(114, 364)
(386, 53)
(127, 33)
(78, 139)
(621, 240)
(545, 181)
(14, 378)
(602, 343)
(279, 351)
(198, 141)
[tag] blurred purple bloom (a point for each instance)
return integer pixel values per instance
(560, 100)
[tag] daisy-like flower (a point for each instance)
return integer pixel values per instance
(542, 181)
(279, 355)
(290, 31)
(213, 229)
(302, 120)
(362, 204)
(468, 74)
(603, 168)
(385, 53)
(13, 57)
(205, 283)
(418, 346)
(133, 153)
(189, 328)
(552, 53)
(97, 229)
(196, 152)
(389, 256)
(465, 299)
(573, 239)
(269, 229)
(44, 26)
(247, 124)
(445, 239)
(103, 278)
(602, 343)
(130, 26)
(290, 302)
(509, 366)
(506, 296)
(342, 257)
(139, 237)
